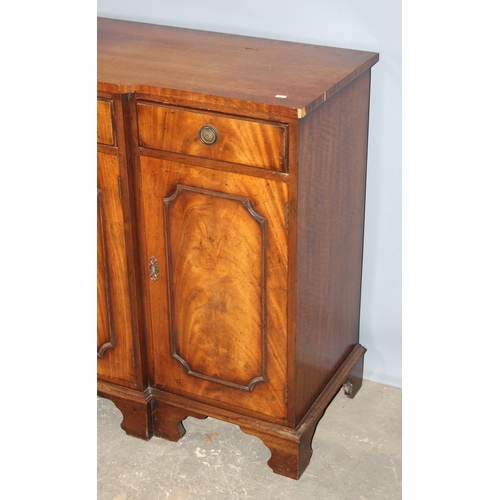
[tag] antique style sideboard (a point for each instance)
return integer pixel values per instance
(230, 211)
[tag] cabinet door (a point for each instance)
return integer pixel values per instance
(114, 330)
(216, 256)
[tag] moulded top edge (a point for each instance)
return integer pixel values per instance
(291, 76)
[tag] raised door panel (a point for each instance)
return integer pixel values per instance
(216, 250)
(114, 330)
(216, 247)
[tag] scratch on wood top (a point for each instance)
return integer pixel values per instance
(301, 112)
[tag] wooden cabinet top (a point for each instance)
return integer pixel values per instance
(284, 78)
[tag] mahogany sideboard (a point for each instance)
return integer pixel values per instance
(230, 205)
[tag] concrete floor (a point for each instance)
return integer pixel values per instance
(356, 456)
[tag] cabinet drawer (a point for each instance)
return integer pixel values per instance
(105, 133)
(230, 139)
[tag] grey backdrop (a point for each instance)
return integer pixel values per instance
(355, 24)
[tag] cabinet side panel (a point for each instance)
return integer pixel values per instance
(105, 331)
(330, 220)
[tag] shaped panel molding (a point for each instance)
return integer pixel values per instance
(216, 250)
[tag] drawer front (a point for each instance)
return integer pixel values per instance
(105, 132)
(253, 143)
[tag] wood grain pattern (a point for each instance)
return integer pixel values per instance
(199, 65)
(217, 247)
(244, 141)
(290, 448)
(253, 314)
(158, 179)
(135, 405)
(168, 420)
(105, 330)
(330, 219)
(105, 132)
(117, 363)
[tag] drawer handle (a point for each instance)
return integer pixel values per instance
(207, 135)
(153, 268)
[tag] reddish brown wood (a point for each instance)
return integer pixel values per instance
(293, 167)
(121, 358)
(168, 419)
(105, 327)
(215, 164)
(249, 142)
(105, 129)
(291, 449)
(135, 406)
(290, 452)
(214, 219)
(354, 380)
(240, 260)
(157, 59)
(113, 291)
(127, 151)
(330, 218)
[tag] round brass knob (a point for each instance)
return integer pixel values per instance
(207, 135)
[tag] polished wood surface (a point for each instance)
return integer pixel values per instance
(105, 132)
(330, 220)
(113, 288)
(230, 273)
(135, 405)
(217, 246)
(215, 251)
(249, 142)
(105, 328)
(149, 58)
(120, 348)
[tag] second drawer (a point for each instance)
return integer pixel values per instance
(213, 136)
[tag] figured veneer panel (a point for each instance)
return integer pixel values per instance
(105, 132)
(105, 331)
(217, 68)
(225, 211)
(117, 363)
(248, 142)
(216, 246)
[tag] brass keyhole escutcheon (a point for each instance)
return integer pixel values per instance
(208, 135)
(153, 268)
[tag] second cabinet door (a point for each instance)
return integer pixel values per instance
(215, 255)
(114, 321)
